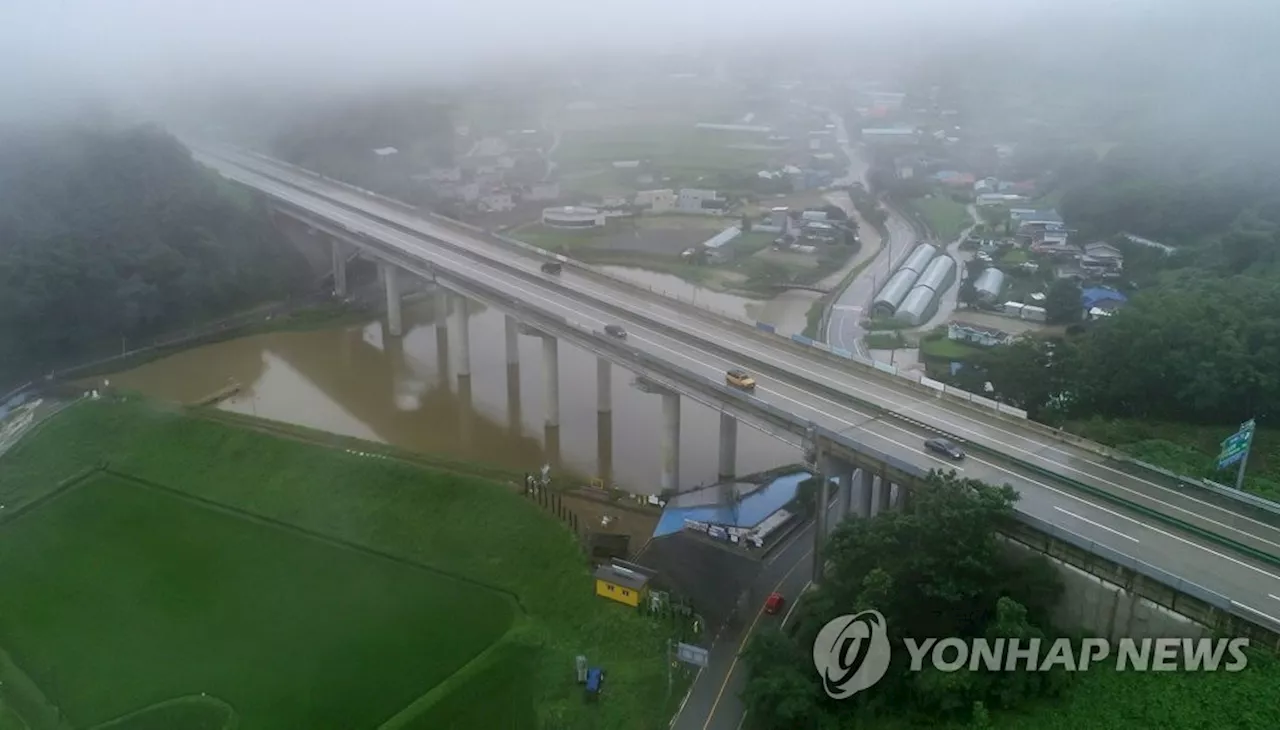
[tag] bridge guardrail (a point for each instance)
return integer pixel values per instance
(672, 376)
(796, 425)
(955, 393)
(1269, 628)
(872, 368)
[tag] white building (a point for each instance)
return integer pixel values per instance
(572, 216)
(659, 201)
(692, 199)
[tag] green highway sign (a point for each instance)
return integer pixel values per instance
(1236, 445)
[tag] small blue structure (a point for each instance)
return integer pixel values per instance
(1104, 296)
(595, 680)
(751, 504)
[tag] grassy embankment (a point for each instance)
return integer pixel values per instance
(946, 217)
(252, 568)
(1189, 449)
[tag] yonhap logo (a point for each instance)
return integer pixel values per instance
(851, 653)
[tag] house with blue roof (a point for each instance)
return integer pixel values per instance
(1101, 301)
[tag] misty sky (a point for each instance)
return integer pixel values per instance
(142, 42)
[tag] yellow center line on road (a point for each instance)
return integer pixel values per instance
(750, 629)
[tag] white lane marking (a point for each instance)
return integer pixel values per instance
(426, 227)
(1095, 524)
(1251, 609)
(795, 602)
(1272, 595)
(470, 266)
(418, 224)
(467, 265)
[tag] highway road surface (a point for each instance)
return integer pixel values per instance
(824, 392)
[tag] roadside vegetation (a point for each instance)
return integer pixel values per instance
(945, 217)
(110, 236)
(260, 506)
(934, 589)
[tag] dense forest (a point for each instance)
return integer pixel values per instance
(117, 233)
(930, 590)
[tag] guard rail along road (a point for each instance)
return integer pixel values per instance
(715, 395)
(808, 350)
(865, 366)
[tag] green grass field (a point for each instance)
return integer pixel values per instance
(120, 595)
(946, 217)
(126, 595)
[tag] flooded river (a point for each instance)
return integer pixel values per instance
(353, 380)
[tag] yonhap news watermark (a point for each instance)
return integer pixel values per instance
(852, 653)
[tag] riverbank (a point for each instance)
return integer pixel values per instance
(244, 497)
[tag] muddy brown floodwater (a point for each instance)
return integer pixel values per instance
(353, 380)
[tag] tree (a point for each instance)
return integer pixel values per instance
(935, 568)
(779, 694)
(107, 234)
(1063, 302)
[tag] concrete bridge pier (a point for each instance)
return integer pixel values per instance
(728, 447)
(513, 374)
(670, 441)
(876, 505)
(604, 420)
(822, 468)
(339, 253)
(863, 493)
(844, 491)
(440, 307)
(466, 413)
(463, 327)
(551, 378)
(391, 280)
(604, 386)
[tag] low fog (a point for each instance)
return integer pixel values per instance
(60, 52)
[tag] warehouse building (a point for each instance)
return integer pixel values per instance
(989, 283)
(919, 304)
(895, 290)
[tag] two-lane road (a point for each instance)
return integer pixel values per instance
(816, 390)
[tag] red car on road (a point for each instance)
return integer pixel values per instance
(774, 603)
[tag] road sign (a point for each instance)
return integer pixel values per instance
(690, 654)
(1236, 446)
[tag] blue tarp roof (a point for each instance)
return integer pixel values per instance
(748, 512)
(1090, 297)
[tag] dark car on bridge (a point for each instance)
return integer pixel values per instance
(615, 330)
(552, 267)
(944, 448)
